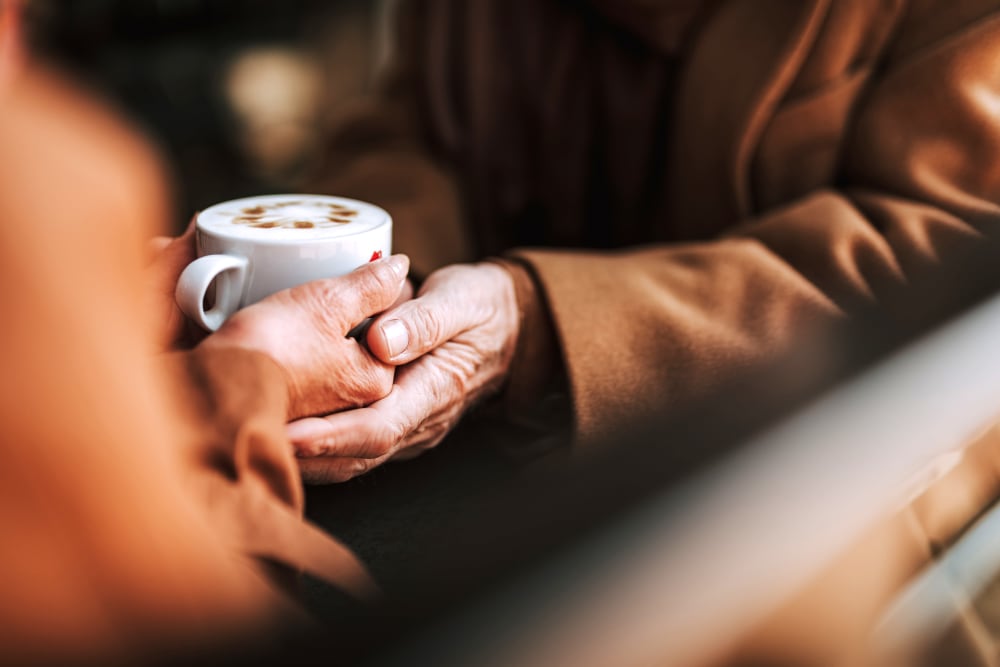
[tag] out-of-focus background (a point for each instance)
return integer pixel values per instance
(235, 93)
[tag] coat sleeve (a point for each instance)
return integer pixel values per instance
(138, 491)
(636, 332)
(650, 328)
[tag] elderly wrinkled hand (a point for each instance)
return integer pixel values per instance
(304, 329)
(453, 345)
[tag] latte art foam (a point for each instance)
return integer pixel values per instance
(296, 217)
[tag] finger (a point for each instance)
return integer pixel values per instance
(189, 230)
(405, 294)
(379, 429)
(369, 289)
(334, 469)
(337, 469)
(170, 255)
(363, 433)
(421, 441)
(416, 327)
(360, 332)
(158, 244)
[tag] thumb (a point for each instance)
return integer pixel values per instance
(416, 327)
(349, 299)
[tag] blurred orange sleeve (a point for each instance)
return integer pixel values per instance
(135, 488)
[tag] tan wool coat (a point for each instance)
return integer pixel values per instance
(685, 186)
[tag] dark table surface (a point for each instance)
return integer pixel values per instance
(400, 517)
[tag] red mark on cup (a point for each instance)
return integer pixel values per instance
(376, 255)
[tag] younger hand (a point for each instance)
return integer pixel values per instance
(454, 345)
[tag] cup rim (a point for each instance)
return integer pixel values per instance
(264, 240)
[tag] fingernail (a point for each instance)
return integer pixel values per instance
(399, 264)
(395, 336)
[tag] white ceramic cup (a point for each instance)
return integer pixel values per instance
(251, 248)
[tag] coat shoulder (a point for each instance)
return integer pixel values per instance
(927, 23)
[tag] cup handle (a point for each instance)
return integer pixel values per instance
(193, 285)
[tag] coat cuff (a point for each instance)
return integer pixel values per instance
(536, 395)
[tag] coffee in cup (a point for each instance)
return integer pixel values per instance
(251, 248)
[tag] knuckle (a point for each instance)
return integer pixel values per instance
(436, 440)
(357, 467)
(320, 301)
(383, 444)
(433, 436)
(392, 434)
(318, 472)
(459, 384)
(385, 440)
(427, 325)
(309, 449)
(373, 385)
(315, 293)
(382, 383)
(379, 277)
(453, 384)
(451, 272)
